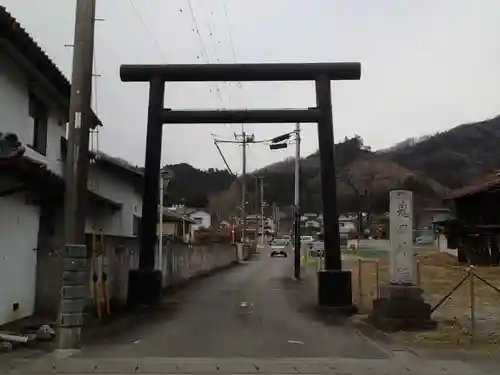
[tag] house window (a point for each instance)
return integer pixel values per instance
(198, 220)
(38, 112)
(136, 225)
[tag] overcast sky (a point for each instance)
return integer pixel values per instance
(427, 66)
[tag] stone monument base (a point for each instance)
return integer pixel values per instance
(401, 307)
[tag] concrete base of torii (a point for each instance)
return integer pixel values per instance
(335, 292)
(401, 307)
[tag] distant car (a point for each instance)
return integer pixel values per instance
(278, 247)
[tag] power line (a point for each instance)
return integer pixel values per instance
(204, 53)
(141, 18)
(223, 158)
(231, 43)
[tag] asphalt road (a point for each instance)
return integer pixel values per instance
(251, 319)
(254, 310)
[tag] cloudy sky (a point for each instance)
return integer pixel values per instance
(427, 66)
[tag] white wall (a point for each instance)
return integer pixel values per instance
(204, 217)
(118, 189)
(18, 240)
(346, 226)
(15, 118)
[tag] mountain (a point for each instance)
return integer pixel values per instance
(360, 173)
(193, 187)
(429, 165)
(454, 157)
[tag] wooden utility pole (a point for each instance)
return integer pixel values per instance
(245, 139)
(74, 281)
(261, 180)
(296, 203)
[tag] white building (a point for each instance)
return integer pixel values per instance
(346, 225)
(201, 218)
(311, 223)
(34, 100)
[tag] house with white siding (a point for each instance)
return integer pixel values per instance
(201, 218)
(34, 105)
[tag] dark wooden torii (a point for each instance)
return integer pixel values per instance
(334, 284)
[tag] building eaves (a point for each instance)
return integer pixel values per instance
(12, 32)
(37, 176)
(169, 214)
(102, 157)
(487, 183)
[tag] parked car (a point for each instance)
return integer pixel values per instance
(278, 247)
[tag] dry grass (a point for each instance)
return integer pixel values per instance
(440, 272)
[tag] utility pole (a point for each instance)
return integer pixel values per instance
(165, 177)
(74, 280)
(160, 227)
(296, 202)
(244, 187)
(274, 219)
(244, 139)
(256, 203)
(261, 179)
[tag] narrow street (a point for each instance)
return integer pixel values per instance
(254, 310)
(250, 319)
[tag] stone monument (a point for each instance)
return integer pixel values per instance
(400, 305)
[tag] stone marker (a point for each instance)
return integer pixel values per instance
(401, 237)
(401, 305)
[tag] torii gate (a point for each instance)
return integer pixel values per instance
(334, 284)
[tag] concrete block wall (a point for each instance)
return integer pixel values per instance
(180, 264)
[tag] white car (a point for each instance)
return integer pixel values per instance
(278, 247)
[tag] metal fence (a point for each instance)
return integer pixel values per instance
(462, 299)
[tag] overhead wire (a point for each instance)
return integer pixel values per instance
(204, 51)
(151, 34)
(231, 43)
(223, 157)
(205, 56)
(196, 27)
(215, 41)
